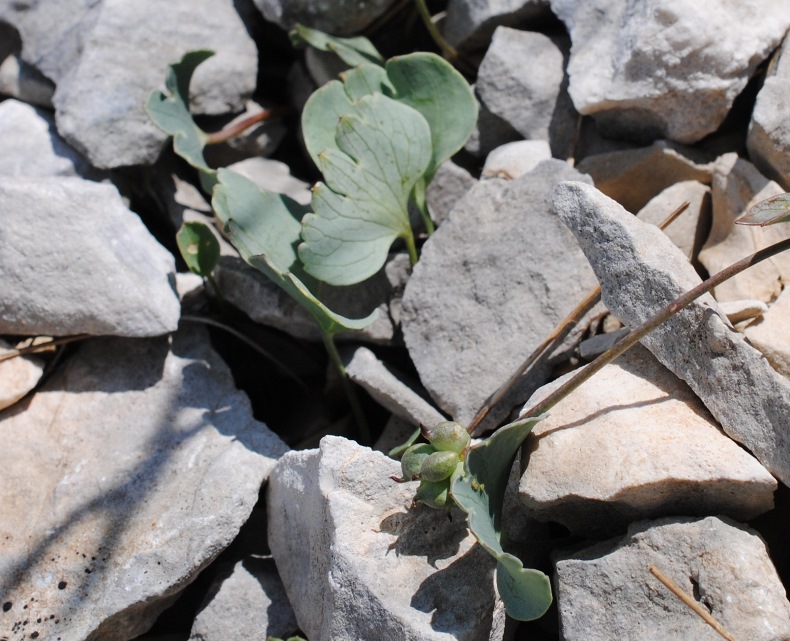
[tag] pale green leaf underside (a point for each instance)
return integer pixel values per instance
(353, 51)
(320, 116)
(383, 148)
(264, 227)
(170, 111)
(365, 80)
(768, 212)
(480, 492)
(431, 85)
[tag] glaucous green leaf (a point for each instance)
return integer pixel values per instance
(383, 148)
(767, 212)
(365, 80)
(199, 248)
(480, 491)
(321, 115)
(353, 51)
(264, 227)
(431, 85)
(170, 111)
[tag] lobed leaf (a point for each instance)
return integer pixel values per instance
(353, 51)
(382, 150)
(199, 248)
(768, 212)
(264, 227)
(480, 492)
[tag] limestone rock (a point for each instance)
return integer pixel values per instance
(491, 283)
(521, 93)
(665, 68)
(448, 186)
(24, 82)
(515, 159)
(365, 565)
(490, 132)
(634, 442)
(17, 375)
(633, 176)
(390, 390)
(30, 146)
(124, 476)
(771, 333)
(339, 17)
(640, 271)
(76, 260)
(690, 229)
(249, 602)
(738, 311)
(737, 186)
(470, 23)
(607, 591)
(769, 132)
(100, 99)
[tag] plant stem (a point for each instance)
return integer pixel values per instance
(348, 387)
(419, 200)
(446, 48)
(223, 135)
(40, 347)
(411, 247)
(635, 335)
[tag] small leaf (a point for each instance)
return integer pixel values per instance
(383, 148)
(264, 228)
(480, 492)
(170, 111)
(199, 248)
(320, 116)
(767, 212)
(364, 80)
(431, 85)
(353, 51)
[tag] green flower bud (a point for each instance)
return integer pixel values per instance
(449, 436)
(436, 495)
(411, 461)
(438, 466)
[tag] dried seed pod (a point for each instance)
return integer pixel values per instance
(449, 436)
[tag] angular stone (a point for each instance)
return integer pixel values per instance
(248, 602)
(771, 333)
(738, 311)
(470, 23)
(448, 186)
(768, 140)
(662, 68)
(522, 94)
(737, 186)
(339, 17)
(515, 159)
(607, 591)
(390, 390)
(641, 271)
(76, 260)
(124, 476)
(490, 285)
(18, 375)
(634, 442)
(689, 230)
(100, 101)
(489, 133)
(30, 146)
(365, 565)
(598, 344)
(24, 82)
(633, 176)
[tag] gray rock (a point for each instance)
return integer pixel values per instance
(491, 283)
(261, 139)
(607, 591)
(658, 69)
(448, 186)
(18, 375)
(124, 477)
(633, 176)
(489, 133)
(737, 186)
(396, 432)
(76, 260)
(771, 333)
(640, 271)
(30, 146)
(689, 230)
(20, 80)
(768, 140)
(246, 602)
(470, 23)
(522, 94)
(339, 17)
(100, 100)
(358, 563)
(390, 389)
(738, 311)
(516, 159)
(634, 442)
(598, 344)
